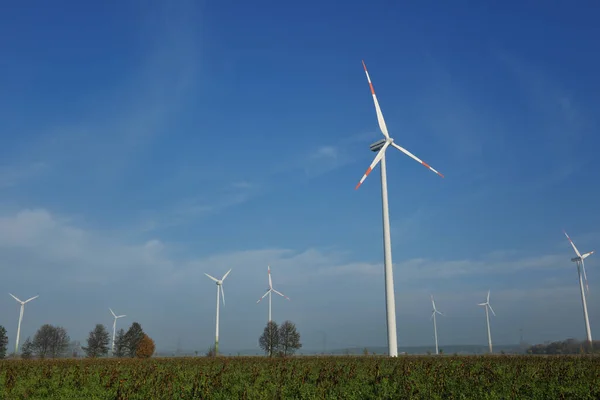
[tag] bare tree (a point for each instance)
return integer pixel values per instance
(269, 341)
(42, 341)
(3, 342)
(60, 342)
(97, 342)
(50, 341)
(27, 349)
(289, 338)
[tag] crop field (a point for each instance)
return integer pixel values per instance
(406, 377)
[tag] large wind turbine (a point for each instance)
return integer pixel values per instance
(380, 147)
(487, 316)
(435, 311)
(219, 289)
(269, 292)
(21, 317)
(581, 268)
(112, 349)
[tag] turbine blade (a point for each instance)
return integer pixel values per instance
(432, 314)
(14, 297)
(491, 309)
(281, 294)
(586, 255)
(214, 279)
(411, 155)
(432, 303)
(33, 298)
(572, 244)
(121, 316)
(585, 276)
(481, 304)
(376, 160)
(264, 295)
(488, 297)
(112, 312)
(270, 281)
(380, 119)
(222, 294)
(225, 276)
(441, 313)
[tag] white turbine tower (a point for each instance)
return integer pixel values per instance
(269, 292)
(21, 317)
(112, 349)
(581, 268)
(487, 316)
(435, 311)
(380, 147)
(219, 283)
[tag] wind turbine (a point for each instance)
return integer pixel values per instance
(269, 292)
(219, 289)
(581, 267)
(487, 316)
(380, 147)
(112, 349)
(21, 317)
(435, 311)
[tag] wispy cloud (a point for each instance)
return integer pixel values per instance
(213, 200)
(123, 120)
(546, 95)
(13, 175)
(327, 158)
(560, 124)
(325, 152)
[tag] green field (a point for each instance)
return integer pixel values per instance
(407, 377)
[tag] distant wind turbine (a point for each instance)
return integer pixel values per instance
(435, 311)
(487, 316)
(112, 349)
(219, 283)
(581, 268)
(380, 147)
(21, 317)
(269, 292)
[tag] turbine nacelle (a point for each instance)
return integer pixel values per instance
(487, 304)
(24, 302)
(219, 282)
(579, 259)
(270, 289)
(381, 146)
(435, 310)
(375, 147)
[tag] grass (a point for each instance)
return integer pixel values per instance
(326, 377)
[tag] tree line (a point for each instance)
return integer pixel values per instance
(53, 342)
(569, 346)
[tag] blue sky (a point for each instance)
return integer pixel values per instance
(143, 144)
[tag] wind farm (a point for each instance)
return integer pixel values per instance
(150, 150)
